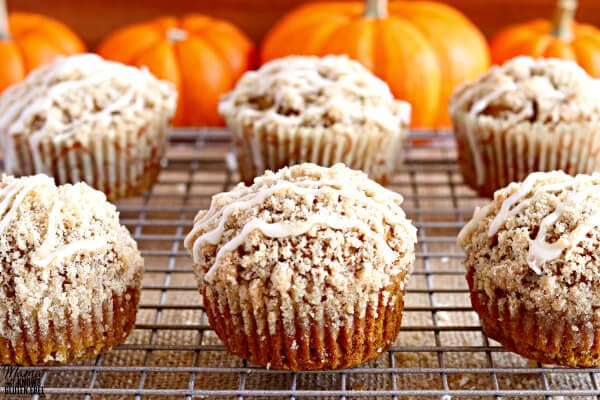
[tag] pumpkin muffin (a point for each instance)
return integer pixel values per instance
(320, 110)
(85, 119)
(306, 269)
(533, 267)
(525, 116)
(70, 274)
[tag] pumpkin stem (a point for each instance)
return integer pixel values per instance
(564, 17)
(376, 8)
(4, 31)
(176, 35)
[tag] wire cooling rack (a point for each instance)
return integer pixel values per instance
(440, 353)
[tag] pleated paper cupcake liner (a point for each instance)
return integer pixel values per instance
(120, 165)
(313, 341)
(541, 335)
(493, 153)
(272, 147)
(50, 343)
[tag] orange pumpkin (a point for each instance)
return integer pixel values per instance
(422, 49)
(561, 38)
(29, 40)
(202, 56)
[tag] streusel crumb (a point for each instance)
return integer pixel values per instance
(534, 90)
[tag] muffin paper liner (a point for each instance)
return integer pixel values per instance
(271, 147)
(77, 339)
(494, 153)
(539, 335)
(311, 342)
(120, 165)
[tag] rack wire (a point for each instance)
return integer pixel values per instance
(441, 351)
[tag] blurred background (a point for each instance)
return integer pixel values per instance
(422, 49)
(94, 19)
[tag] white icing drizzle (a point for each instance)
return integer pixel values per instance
(50, 240)
(287, 229)
(540, 250)
(478, 215)
(476, 108)
(513, 205)
(507, 210)
(8, 147)
(8, 194)
(481, 104)
(69, 250)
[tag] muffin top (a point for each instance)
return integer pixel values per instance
(539, 242)
(531, 90)
(327, 235)
(74, 94)
(61, 247)
(331, 92)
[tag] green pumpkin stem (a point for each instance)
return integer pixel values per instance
(564, 17)
(376, 8)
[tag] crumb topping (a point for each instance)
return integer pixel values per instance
(330, 92)
(325, 236)
(533, 90)
(61, 249)
(539, 242)
(82, 96)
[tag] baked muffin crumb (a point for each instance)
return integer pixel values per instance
(322, 110)
(538, 244)
(526, 116)
(64, 258)
(339, 214)
(307, 247)
(82, 118)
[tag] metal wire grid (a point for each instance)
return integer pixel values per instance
(440, 352)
